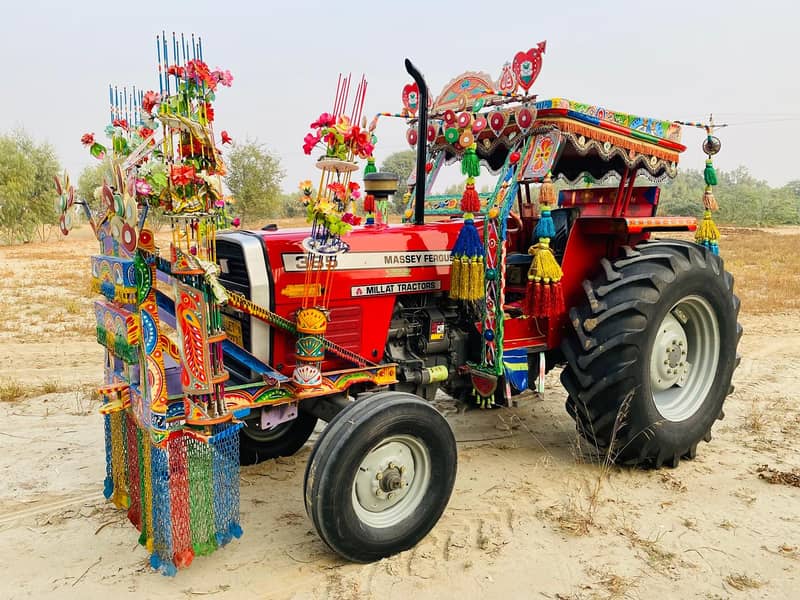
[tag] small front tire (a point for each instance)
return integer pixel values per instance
(380, 476)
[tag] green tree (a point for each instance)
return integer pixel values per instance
(90, 179)
(27, 191)
(401, 164)
(254, 178)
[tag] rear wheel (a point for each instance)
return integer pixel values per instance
(651, 352)
(256, 444)
(380, 476)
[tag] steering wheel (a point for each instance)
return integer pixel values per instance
(513, 228)
(513, 219)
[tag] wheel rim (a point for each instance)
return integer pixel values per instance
(684, 358)
(391, 481)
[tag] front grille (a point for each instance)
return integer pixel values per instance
(235, 278)
(234, 270)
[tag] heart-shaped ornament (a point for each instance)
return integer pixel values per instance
(526, 66)
(411, 98)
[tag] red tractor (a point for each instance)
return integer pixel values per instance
(641, 325)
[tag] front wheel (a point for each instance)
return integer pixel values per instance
(380, 476)
(651, 352)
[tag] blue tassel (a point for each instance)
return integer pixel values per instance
(108, 487)
(545, 228)
(236, 530)
(468, 242)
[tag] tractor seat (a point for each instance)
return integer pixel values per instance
(563, 218)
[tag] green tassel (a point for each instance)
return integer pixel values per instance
(710, 175)
(370, 168)
(469, 162)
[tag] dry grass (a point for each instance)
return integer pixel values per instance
(765, 267)
(657, 557)
(742, 582)
(11, 390)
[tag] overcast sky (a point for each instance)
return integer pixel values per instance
(671, 60)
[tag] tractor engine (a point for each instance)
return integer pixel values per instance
(429, 340)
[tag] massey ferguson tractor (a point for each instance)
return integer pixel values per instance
(476, 296)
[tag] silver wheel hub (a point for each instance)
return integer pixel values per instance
(684, 358)
(391, 481)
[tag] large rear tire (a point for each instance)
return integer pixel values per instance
(651, 352)
(380, 476)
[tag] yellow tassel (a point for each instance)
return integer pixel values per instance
(709, 201)
(463, 282)
(455, 278)
(547, 191)
(544, 266)
(476, 289)
(707, 230)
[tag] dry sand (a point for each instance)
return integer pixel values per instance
(521, 522)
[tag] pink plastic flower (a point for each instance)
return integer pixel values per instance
(143, 188)
(309, 142)
(324, 120)
(236, 222)
(149, 100)
(224, 77)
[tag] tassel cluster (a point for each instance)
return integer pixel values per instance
(467, 270)
(544, 294)
(369, 209)
(707, 233)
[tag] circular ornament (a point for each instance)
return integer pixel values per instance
(412, 137)
(478, 125)
(451, 135)
(711, 145)
(466, 139)
(431, 133)
(497, 122)
(464, 119)
(449, 117)
(128, 238)
(524, 118)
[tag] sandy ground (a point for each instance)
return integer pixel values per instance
(528, 517)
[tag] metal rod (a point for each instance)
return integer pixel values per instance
(422, 128)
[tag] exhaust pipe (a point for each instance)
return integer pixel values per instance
(422, 135)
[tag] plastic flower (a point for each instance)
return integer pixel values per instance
(143, 188)
(236, 222)
(343, 124)
(182, 174)
(224, 77)
(87, 139)
(337, 189)
(176, 70)
(209, 112)
(145, 132)
(199, 71)
(324, 120)
(149, 100)
(309, 142)
(120, 123)
(226, 139)
(306, 187)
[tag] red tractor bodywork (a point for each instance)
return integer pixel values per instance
(388, 261)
